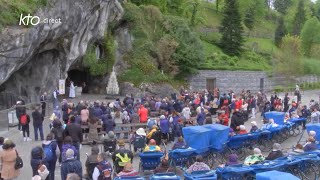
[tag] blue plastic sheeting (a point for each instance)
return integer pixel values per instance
(269, 166)
(177, 153)
(130, 178)
(316, 128)
(201, 175)
(275, 175)
(197, 137)
(218, 135)
(167, 176)
(297, 120)
(278, 117)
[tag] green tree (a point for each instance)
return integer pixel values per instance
(299, 18)
(280, 32)
(282, 5)
(310, 35)
(317, 10)
(231, 29)
(249, 18)
(195, 8)
(288, 61)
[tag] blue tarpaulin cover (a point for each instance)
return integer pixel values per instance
(197, 137)
(316, 128)
(278, 117)
(218, 135)
(201, 175)
(275, 175)
(167, 176)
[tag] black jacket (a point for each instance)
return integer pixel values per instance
(71, 166)
(274, 155)
(236, 120)
(37, 159)
(37, 118)
(74, 130)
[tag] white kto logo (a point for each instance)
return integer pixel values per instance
(33, 20)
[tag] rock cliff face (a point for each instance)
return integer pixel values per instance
(33, 59)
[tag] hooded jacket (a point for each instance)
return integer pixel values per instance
(65, 147)
(37, 159)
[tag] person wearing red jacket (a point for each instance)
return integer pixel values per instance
(224, 119)
(143, 114)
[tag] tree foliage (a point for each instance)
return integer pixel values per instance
(310, 35)
(282, 5)
(288, 61)
(231, 29)
(249, 17)
(299, 18)
(280, 32)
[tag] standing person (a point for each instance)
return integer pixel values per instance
(57, 131)
(43, 100)
(74, 130)
(253, 104)
(25, 121)
(93, 130)
(286, 102)
(71, 165)
(8, 158)
(37, 159)
(104, 169)
(164, 127)
(64, 109)
(72, 92)
(37, 123)
(84, 114)
(143, 114)
(49, 147)
(55, 99)
(201, 117)
(20, 110)
(67, 144)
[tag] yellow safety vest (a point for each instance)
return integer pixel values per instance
(123, 160)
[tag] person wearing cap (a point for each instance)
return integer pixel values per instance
(52, 146)
(121, 156)
(143, 114)
(275, 153)
(152, 147)
(310, 145)
(71, 165)
(257, 157)
(8, 158)
(254, 127)
(138, 139)
(109, 143)
(199, 165)
(242, 130)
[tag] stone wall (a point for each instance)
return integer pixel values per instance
(235, 80)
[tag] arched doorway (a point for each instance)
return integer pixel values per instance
(80, 78)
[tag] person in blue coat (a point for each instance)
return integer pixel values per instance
(37, 158)
(201, 117)
(71, 165)
(50, 158)
(164, 127)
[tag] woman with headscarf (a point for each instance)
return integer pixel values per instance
(275, 153)
(257, 157)
(128, 170)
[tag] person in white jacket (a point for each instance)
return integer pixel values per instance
(186, 113)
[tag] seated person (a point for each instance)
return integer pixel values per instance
(310, 145)
(180, 144)
(312, 134)
(155, 134)
(92, 160)
(152, 147)
(110, 143)
(254, 127)
(242, 130)
(269, 125)
(232, 160)
(199, 165)
(164, 166)
(298, 150)
(138, 139)
(128, 170)
(275, 153)
(257, 157)
(121, 156)
(286, 117)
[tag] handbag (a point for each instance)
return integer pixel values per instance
(19, 162)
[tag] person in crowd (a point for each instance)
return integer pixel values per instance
(8, 156)
(231, 132)
(1, 142)
(254, 127)
(236, 120)
(70, 165)
(121, 156)
(164, 167)
(242, 130)
(223, 118)
(55, 94)
(201, 116)
(108, 123)
(73, 176)
(199, 165)
(298, 150)
(80, 106)
(50, 149)
(75, 132)
(67, 144)
(180, 144)
(253, 104)
(84, 114)
(37, 159)
(25, 121)
(138, 139)
(57, 113)
(143, 114)
(92, 159)
(152, 133)
(57, 131)
(109, 143)
(164, 127)
(310, 145)
(97, 110)
(152, 146)
(128, 170)
(43, 99)
(312, 134)
(275, 153)
(315, 116)
(232, 160)
(104, 169)
(286, 100)
(93, 130)
(186, 113)
(72, 91)
(20, 110)
(257, 157)
(270, 124)
(38, 119)
(64, 108)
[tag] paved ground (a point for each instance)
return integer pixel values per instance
(24, 148)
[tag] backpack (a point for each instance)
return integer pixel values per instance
(104, 174)
(139, 141)
(48, 152)
(59, 134)
(151, 123)
(24, 119)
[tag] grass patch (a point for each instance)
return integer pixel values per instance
(261, 45)
(10, 10)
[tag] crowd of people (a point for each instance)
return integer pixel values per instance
(164, 119)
